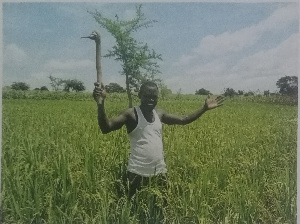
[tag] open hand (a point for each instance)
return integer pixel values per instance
(99, 93)
(211, 103)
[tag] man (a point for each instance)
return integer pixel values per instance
(144, 127)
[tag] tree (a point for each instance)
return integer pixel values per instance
(137, 60)
(114, 88)
(74, 85)
(249, 93)
(56, 83)
(229, 92)
(202, 91)
(163, 90)
(20, 86)
(44, 88)
(240, 92)
(267, 93)
(178, 94)
(66, 84)
(288, 85)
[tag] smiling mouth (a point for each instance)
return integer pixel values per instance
(149, 104)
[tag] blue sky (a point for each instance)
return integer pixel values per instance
(244, 46)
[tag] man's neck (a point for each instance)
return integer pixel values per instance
(148, 114)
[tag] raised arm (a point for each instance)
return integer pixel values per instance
(107, 125)
(171, 119)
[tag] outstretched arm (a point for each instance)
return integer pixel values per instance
(107, 125)
(210, 103)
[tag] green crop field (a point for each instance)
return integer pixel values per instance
(236, 164)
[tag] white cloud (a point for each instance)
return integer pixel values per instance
(13, 55)
(185, 60)
(281, 60)
(258, 71)
(280, 18)
(38, 79)
(213, 68)
(229, 42)
(221, 61)
(69, 65)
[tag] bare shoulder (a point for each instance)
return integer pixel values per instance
(129, 113)
(131, 119)
(160, 112)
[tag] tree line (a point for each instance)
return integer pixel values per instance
(288, 85)
(67, 85)
(56, 83)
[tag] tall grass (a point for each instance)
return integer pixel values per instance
(82, 96)
(272, 99)
(236, 164)
(54, 95)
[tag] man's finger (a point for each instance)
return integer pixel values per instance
(220, 97)
(220, 100)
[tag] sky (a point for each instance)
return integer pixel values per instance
(212, 45)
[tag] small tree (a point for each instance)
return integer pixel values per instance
(78, 86)
(178, 94)
(137, 60)
(202, 91)
(74, 85)
(163, 90)
(229, 92)
(56, 83)
(114, 88)
(240, 92)
(288, 85)
(266, 93)
(44, 88)
(249, 93)
(20, 86)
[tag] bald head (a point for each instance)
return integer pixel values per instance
(146, 85)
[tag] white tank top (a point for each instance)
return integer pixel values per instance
(146, 155)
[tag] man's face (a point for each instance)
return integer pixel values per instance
(149, 97)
